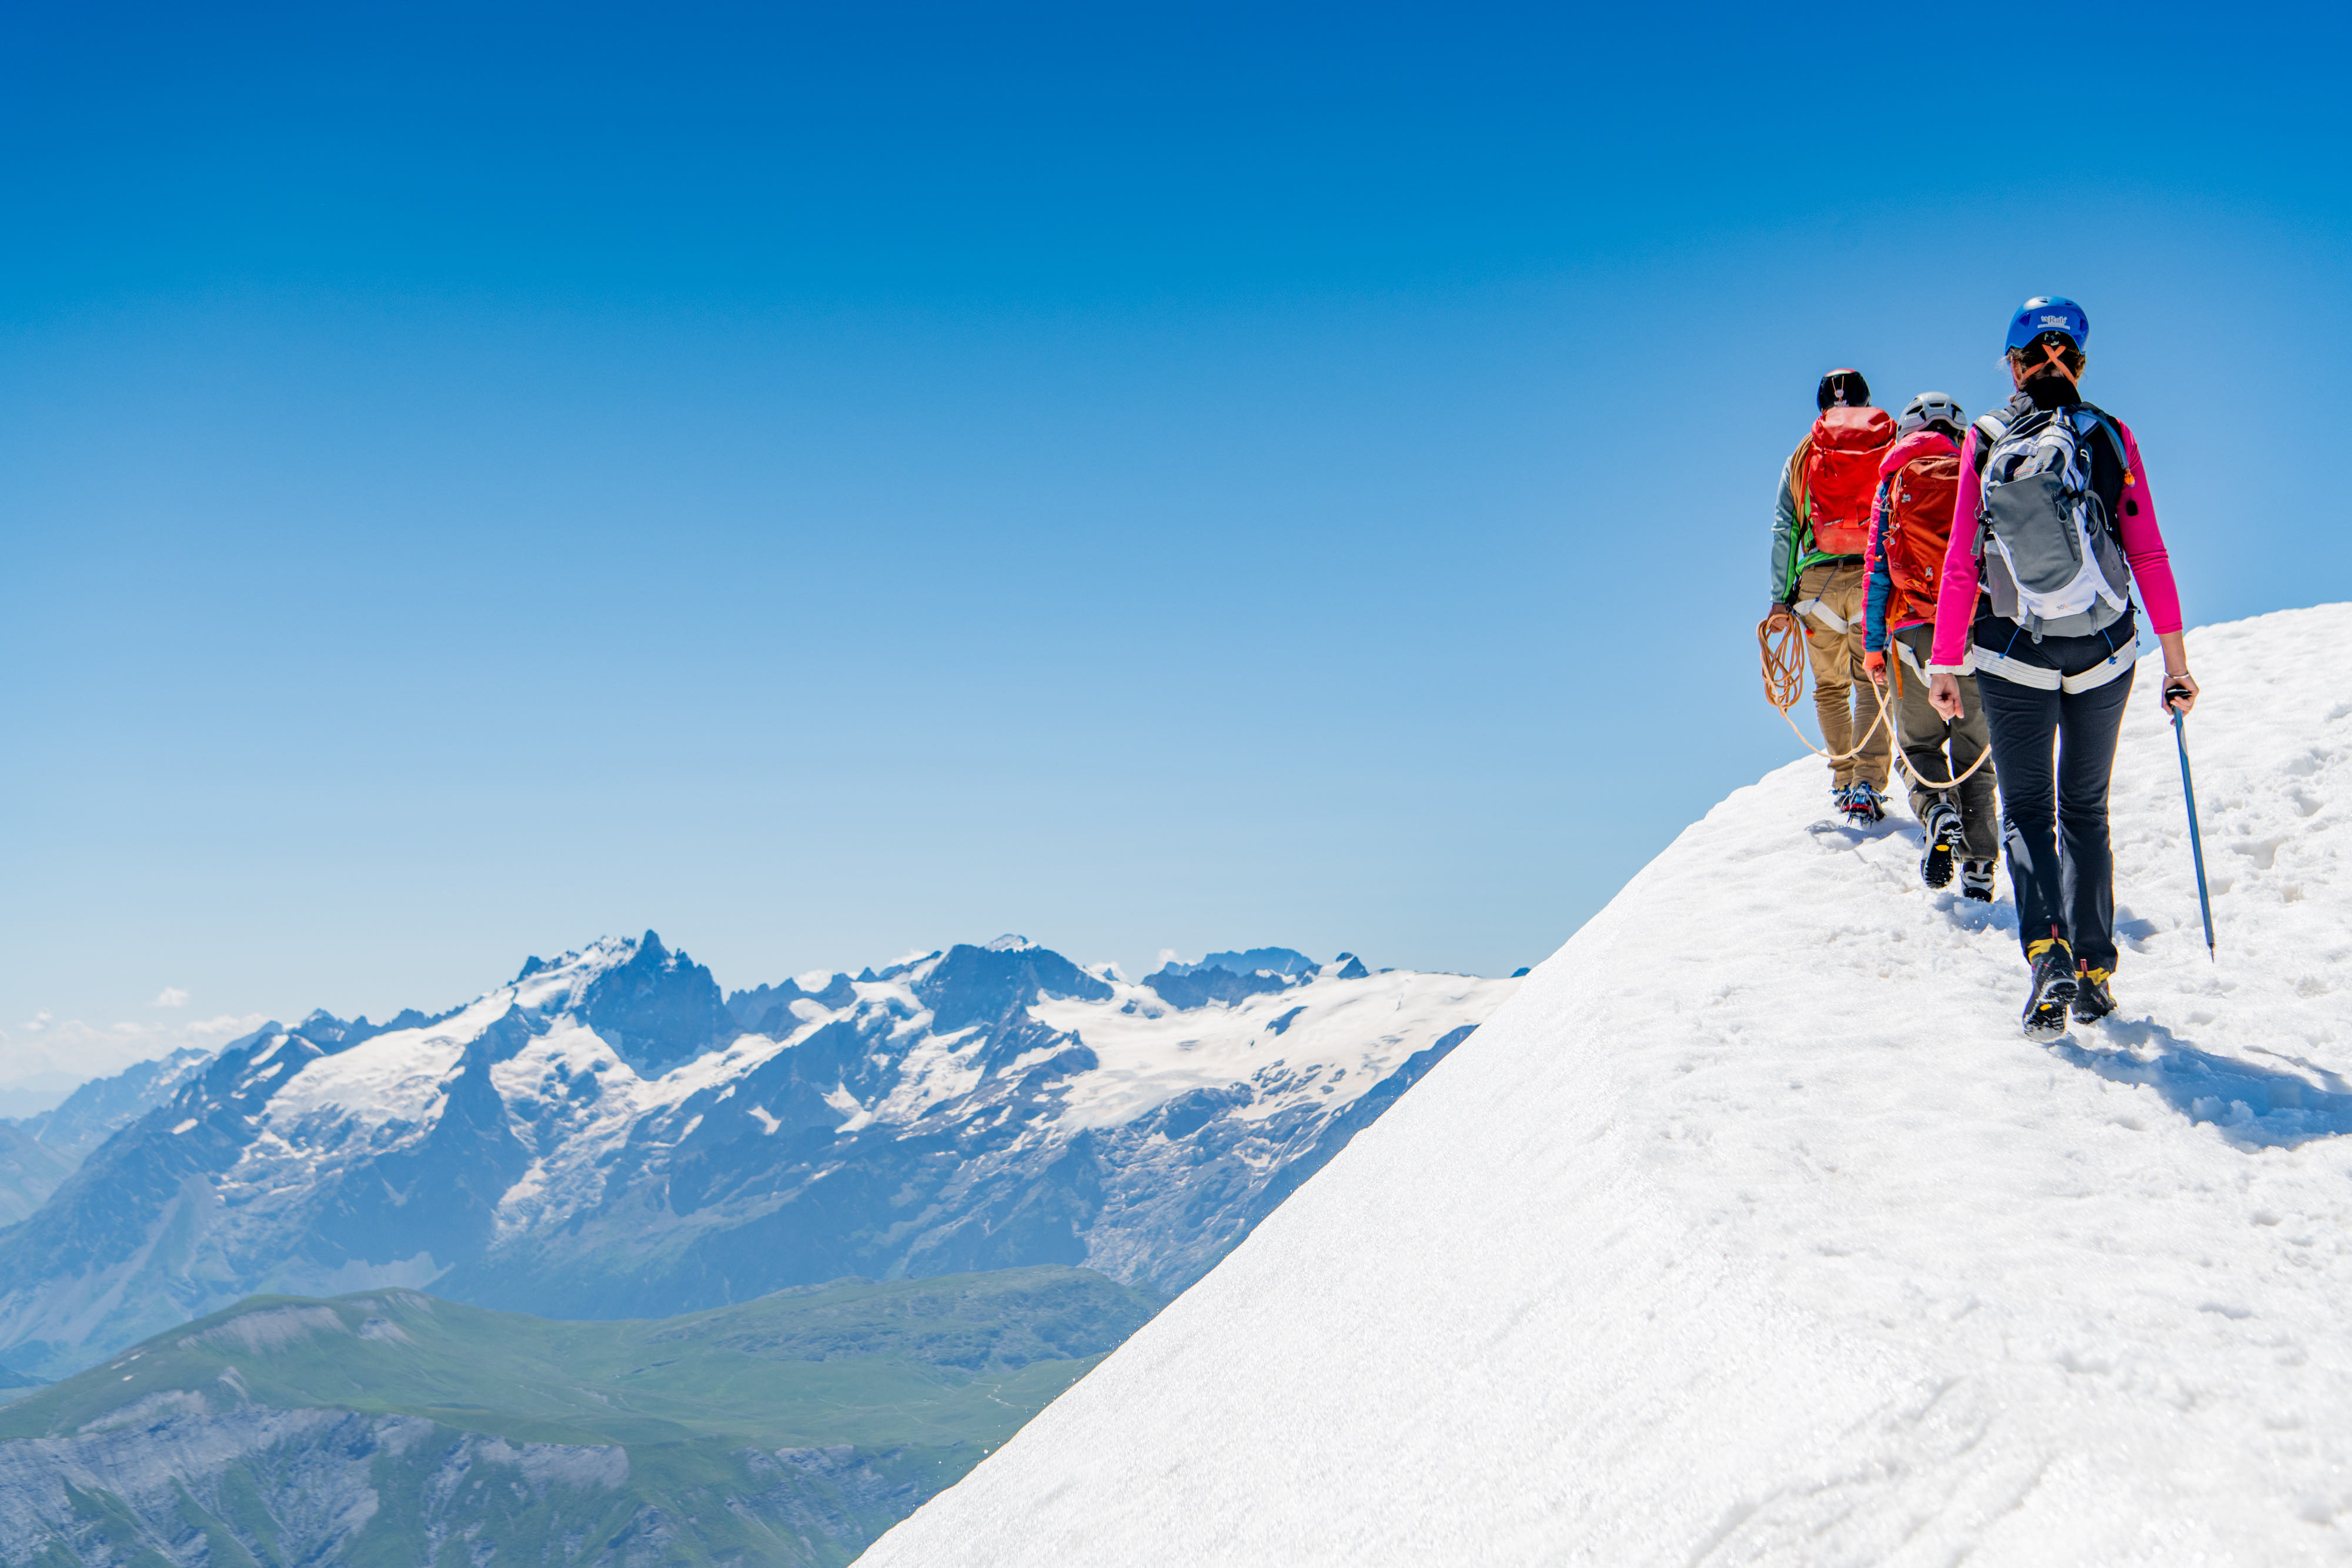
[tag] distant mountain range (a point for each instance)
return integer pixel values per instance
(609, 1136)
(389, 1428)
(38, 1152)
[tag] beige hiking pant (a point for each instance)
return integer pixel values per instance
(1937, 748)
(1829, 602)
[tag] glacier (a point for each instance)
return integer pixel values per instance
(1751, 1231)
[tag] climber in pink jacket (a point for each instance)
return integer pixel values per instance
(2052, 526)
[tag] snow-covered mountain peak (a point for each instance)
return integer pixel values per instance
(1751, 1231)
(400, 1076)
(559, 984)
(1324, 1042)
(397, 1077)
(1255, 960)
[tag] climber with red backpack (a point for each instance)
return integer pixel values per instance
(1910, 530)
(2053, 530)
(1821, 526)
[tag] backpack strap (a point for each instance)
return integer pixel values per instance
(2108, 484)
(1989, 429)
(2106, 424)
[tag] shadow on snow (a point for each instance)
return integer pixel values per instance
(2254, 1107)
(2259, 1107)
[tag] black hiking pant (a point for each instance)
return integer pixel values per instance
(2053, 814)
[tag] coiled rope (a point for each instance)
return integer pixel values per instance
(1784, 681)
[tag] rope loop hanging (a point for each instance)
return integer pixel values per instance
(1783, 653)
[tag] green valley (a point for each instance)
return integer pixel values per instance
(389, 1426)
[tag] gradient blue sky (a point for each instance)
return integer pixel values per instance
(824, 481)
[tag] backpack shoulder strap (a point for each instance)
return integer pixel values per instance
(1799, 494)
(1989, 429)
(2107, 476)
(2106, 424)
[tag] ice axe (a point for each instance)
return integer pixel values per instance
(2188, 793)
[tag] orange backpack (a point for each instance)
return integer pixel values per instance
(1839, 477)
(1920, 496)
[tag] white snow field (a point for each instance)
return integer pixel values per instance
(1751, 1230)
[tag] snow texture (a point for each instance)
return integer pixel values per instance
(1752, 1231)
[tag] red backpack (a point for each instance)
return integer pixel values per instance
(1920, 496)
(1839, 477)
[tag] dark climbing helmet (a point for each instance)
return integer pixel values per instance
(1845, 387)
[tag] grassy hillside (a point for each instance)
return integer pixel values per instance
(845, 1404)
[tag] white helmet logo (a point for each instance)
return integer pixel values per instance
(2058, 321)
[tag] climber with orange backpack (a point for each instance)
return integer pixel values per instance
(1820, 528)
(1910, 530)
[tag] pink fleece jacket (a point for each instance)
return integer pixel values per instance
(2151, 568)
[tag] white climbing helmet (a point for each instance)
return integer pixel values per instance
(1930, 408)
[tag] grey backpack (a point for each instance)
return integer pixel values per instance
(2046, 546)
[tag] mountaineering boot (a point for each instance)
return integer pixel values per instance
(2092, 1000)
(1863, 804)
(2053, 988)
(1943, 825)
(1976, 880)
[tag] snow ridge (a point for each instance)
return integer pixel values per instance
(1784, 1247)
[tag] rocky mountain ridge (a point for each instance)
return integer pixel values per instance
(38, 1152)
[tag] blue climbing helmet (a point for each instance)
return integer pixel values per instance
(2050, 313)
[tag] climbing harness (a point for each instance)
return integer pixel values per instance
(1784, 683)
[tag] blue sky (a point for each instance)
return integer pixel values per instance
(827, 482)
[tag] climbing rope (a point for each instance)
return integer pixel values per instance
(1983, 756)
(1784, 681)
(1784, 664)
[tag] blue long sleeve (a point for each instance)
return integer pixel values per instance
(1881, 586)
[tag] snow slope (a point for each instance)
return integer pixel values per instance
(1751, 1231)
